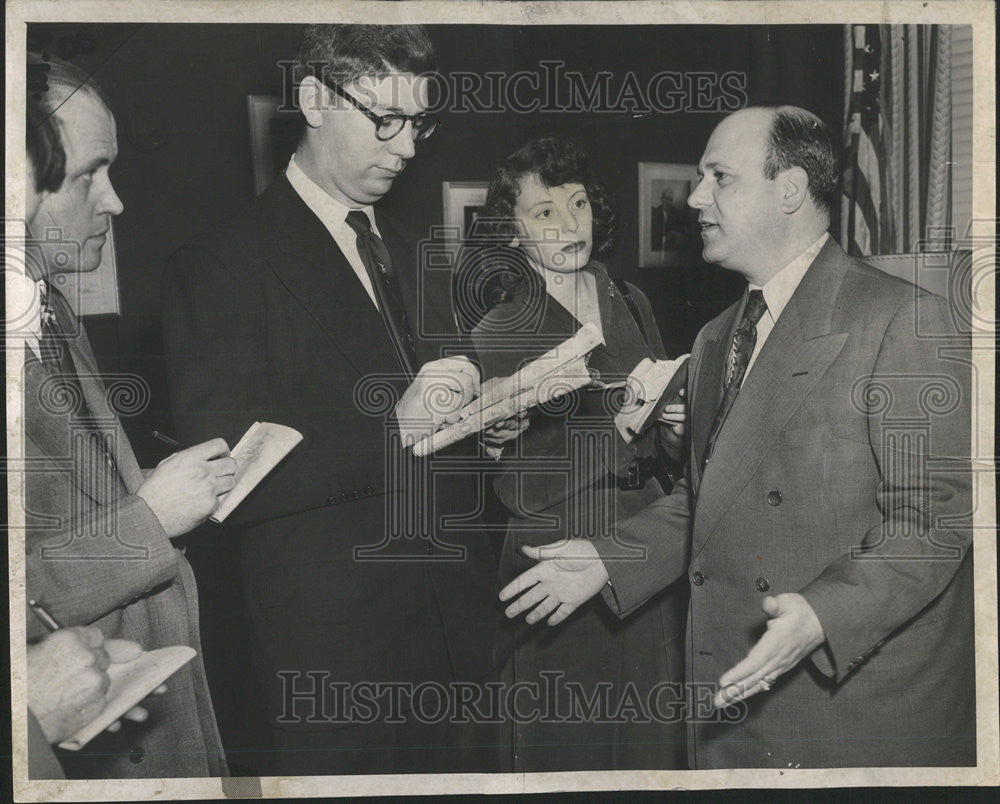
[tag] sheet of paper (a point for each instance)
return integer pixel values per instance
(130, 683)
(258, 452)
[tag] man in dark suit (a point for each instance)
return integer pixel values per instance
(667, 224)
(824, 521)
(99, 530)
(308, 309)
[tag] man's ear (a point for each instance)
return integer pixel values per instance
(794, 185)
(312, 101)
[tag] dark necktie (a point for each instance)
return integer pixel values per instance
(378, 263)
(743, 343)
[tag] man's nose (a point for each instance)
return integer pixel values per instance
(403, 144)
(700, 197)
(110, 203)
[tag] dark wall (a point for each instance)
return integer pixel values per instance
(179, 95)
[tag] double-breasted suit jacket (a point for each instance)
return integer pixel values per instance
(842, 473)
(345, 564)
(96, 554)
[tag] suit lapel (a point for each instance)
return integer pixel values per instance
(106, 422)
(313, 269)
(611, 324)
(72, 449)
(705, 385)
(797, 353)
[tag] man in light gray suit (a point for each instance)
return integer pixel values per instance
(825, 520)
(99, 530)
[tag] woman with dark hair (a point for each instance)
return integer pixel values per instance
(570, 473)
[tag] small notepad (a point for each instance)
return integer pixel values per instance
(653, 384)
(130, 683)
(259, 451)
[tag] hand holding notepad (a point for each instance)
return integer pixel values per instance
(130, 683)
(261, 449)
(652, 385)
(557, 372)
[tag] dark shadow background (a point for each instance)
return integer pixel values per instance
(179, 95)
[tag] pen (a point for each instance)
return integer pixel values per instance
(165, 438)
(47, 619)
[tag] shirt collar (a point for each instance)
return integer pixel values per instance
(26, 296)
(780, 287)
(327, 208)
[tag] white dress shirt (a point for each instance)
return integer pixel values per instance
(24, 306)
(333, 216)
(779, 290)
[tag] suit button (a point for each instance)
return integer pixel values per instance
(136, 755)
(697, 579)
(774, 498)
(762, 584)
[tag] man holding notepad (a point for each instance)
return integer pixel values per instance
(307, 309)
(98, 529)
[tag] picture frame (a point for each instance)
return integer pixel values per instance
(664, 236)
(463, 202)
(273, 137)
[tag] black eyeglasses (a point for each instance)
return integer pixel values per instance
(388, 126)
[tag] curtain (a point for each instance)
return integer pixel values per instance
(897, 179)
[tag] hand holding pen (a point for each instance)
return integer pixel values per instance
(183, 490)
(68, 679)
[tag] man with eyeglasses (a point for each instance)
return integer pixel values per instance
(307, 309)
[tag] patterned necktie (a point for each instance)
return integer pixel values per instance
(54, 348)
(743, 343)
(378, 263)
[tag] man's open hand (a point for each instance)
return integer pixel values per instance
(567, 575)
(793, 632)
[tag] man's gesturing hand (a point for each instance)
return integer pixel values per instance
(792, 634)
(439, 391)
(184, 489)
(568, 574)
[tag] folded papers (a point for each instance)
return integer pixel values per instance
(557, 372)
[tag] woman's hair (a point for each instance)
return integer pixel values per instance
(555, 161)
(489, 271)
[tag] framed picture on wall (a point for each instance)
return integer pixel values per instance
(667, 225)
(94, 292)
(273, 137)
(464, 201)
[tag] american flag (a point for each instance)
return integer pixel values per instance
(866, 216)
